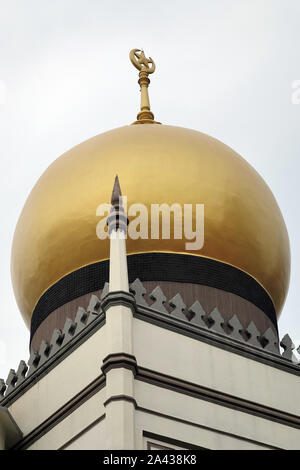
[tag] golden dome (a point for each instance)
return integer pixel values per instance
(56, 232)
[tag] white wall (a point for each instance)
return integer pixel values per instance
(61, 384)
(181, 417)
(215, 368)
(81, 421)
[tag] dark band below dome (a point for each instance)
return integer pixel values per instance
(155, 267)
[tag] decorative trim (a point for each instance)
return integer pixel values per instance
(169, 440)
(115, 361)
(176, 267)
(172, 267)
(207, 428)
(218, 340)
(84, 431)
(250, 343)
(177, 385)
(118, 298)
(37, 371)
(83, 281)
(121, 398)
(223, 399)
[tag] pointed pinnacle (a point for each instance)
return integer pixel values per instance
(116, 193)
(117, 219)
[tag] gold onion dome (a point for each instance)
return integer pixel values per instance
(56, 231)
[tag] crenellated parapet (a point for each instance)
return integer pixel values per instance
(212, 321)
(50, 353)
(171, 313)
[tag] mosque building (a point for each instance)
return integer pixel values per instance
(140, 339)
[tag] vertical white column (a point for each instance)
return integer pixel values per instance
(120, 410)
(118, 273)
(118, 317)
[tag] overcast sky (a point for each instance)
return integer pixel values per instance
(224, 67)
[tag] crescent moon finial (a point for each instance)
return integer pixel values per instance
(145, 66)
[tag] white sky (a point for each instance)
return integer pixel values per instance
(224, 67)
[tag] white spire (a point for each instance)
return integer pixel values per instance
(119, 412)
(117, 226)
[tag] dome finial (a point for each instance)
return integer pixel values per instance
(145, 66)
